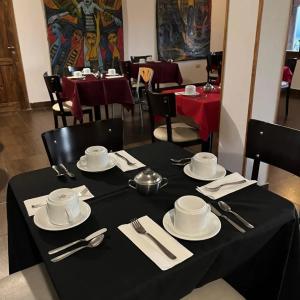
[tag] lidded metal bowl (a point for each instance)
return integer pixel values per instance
(148, 182)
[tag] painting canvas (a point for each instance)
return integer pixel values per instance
(87, 33)
(183, 29)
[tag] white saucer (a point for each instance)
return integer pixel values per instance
(76, 77)
(111, 163)
(221, 172)
(184, 94)
(41, 219)
(211, 229)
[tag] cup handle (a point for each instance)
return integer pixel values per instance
(83, 160)
(164, 182)
(132, 183)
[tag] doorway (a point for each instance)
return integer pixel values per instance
(13, 94)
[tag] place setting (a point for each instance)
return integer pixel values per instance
(112, 73)
(189, 90)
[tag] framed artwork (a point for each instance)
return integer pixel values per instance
(183, 29)
(87, 33)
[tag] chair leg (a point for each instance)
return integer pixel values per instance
(287, 99)
(106, 112)
(141, 114)
(122, 112)
(91, 116)
(74, 121)
(112, 110)
(63, 117)
(55, 121)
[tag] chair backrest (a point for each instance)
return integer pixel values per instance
(54, 88)
(214, 62)
(161, 105)
(125, 69)
(136, 59)
(67, 144)
(273, 144)
(72, 69)
(291, 63)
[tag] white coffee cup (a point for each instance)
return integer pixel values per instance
(111, 71)
(204, 164)
(142, 60)
(190, 90)
(96, 157)
(77, 73)
(149, 58)
(86, 71)
(63, 206)
(190, 214)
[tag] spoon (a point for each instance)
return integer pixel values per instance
(225, 207)
(70, 174)
(58, 173)
(92, 244)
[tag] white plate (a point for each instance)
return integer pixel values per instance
(211, 229)
(114, 76)
(221, 172)
(76, 77)
(41, 219)
(184, 94)
(111, 163)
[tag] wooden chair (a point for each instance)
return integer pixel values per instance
(214, 66)
(164, 106)
(29, 284)
(67, 144)
(286, 86)
(61, 107)
(145, 75)
(273, 144)
(136, 59)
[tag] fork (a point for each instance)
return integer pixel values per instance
(140, 229)
(215, 189)
(129, 163)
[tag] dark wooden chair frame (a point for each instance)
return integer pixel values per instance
(273, 144)
(214, 59)
(65, 145)
(54, 88)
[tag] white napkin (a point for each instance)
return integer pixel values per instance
(122, 164)
(225, 190)
(146, 245)
(43, 200)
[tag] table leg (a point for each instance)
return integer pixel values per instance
(207, 145)
(97, 112)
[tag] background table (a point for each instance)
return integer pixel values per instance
(164, 72)
(95, 92)
(262, 263)
(203, 109)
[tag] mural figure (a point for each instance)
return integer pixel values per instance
(79, 33)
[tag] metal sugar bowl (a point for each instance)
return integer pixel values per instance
(148, 182)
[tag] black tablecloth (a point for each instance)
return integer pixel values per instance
(261, 264)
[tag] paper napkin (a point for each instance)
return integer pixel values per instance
(43, 200)
(146, 245)
(225, 190)
(122, 164)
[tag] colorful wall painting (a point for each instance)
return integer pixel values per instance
(87, 33)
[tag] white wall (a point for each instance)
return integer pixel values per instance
(274, 26)
(139, 39)
(241, 35)
(31, 28)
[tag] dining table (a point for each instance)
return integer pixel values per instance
(164, 72)
(263, 263)
(204, 108)
(92, 91)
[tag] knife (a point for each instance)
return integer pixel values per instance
(219, 214)
(86, 239)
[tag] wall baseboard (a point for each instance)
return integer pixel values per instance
(40, 105)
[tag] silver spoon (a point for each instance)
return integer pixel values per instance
(70, 174)
(225, 207)
(58, 173)
(180, 160)
(92, 244)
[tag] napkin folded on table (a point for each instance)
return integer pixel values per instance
(146, 245)
(225, 190)
(43, 200)
(122, 164)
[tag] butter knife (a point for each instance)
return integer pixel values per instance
(86, 239)
(219, 214)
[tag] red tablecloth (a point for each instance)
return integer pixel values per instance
(93, 92)
(287, 74)
(163, 71)
(204, 109)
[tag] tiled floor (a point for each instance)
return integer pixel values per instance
(21, 150)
